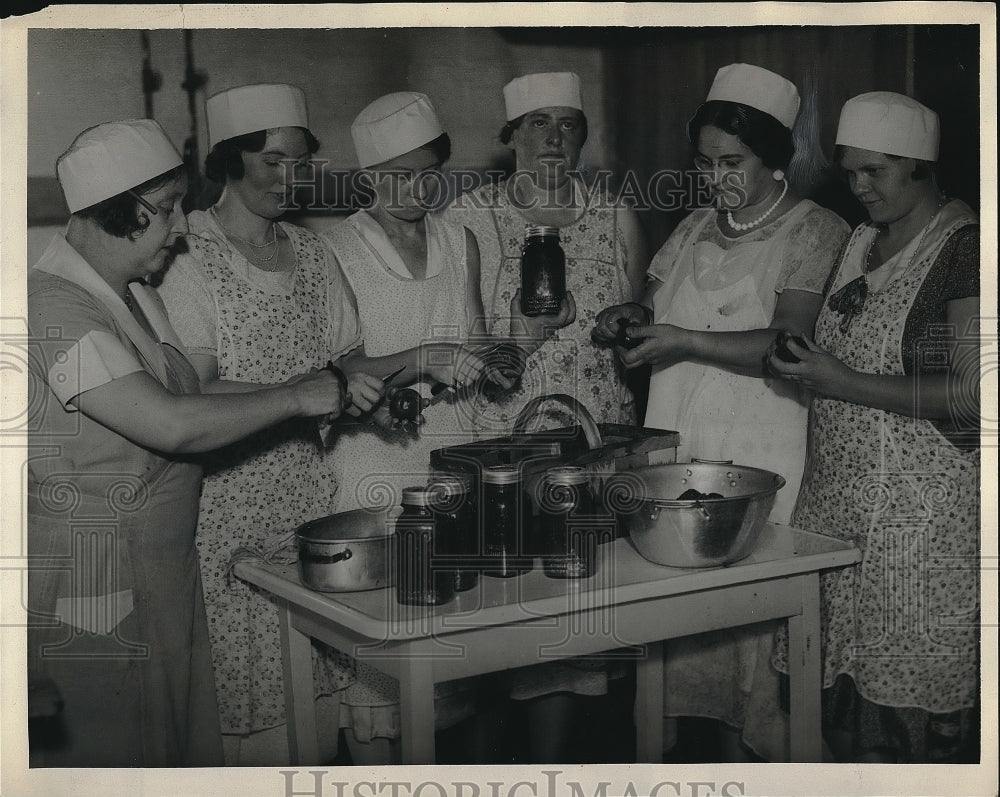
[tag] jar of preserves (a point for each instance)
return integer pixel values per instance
(456, 523)
(418, 581)
(504, 524)
(543, 271)
(569, 524)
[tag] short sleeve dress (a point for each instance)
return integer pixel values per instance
(398, 312)
(263, 328)
(373, 466)
(899, 631)
(715, 283)
(113, 585)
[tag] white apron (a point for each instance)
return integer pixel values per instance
(721, 415)
(725, 416)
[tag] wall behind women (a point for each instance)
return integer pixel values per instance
(640, 86)
(78, 78)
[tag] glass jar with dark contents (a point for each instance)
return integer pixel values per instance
(456, 522)
(504, 522)
(569, 524)
(417, 580)
(543, 271)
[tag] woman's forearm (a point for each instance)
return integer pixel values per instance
(928, 396)
(741, 352)
(426, 359)
(228, 386)
(204, 422)
(140, 409)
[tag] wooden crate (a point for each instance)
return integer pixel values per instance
(623, 447)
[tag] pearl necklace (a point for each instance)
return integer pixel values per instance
(751, 224)
(262, 258)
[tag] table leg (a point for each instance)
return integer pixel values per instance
(649, 705)
(804, 674)
(300, 704)
(416, 697)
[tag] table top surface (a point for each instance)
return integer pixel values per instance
(622, 577)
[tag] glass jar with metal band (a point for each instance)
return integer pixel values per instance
(503, 522)
(418, 581)
(456, 522)
(569, 523)
(543, 271)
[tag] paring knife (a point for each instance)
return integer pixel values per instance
(326, 422)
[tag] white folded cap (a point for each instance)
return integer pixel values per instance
(542, 90)
(394, 125)
(894, 124)
(247, 109)
(107, 159)
(759, 88)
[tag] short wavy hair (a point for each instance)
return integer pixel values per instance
(225, 161)
(123, 215)
(760, 132)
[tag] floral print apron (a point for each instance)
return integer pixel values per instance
(903, 623)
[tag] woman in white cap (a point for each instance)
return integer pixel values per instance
(727, 280)
(606, 258)
(415, 278)
(415, 281)
(605, 248)
(256, 301)
(894, 449)
(112, 489)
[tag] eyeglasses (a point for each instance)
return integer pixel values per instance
(142, 201)
(705, 164)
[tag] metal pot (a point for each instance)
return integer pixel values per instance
(697, 533)
(347, 552)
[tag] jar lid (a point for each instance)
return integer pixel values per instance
(535, 230)
(568, 474)
(501, 474)
(448, 485)
(417, 496)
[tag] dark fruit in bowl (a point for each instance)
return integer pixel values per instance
(622, 339)
(782, 352)
(405, 404)
(696, 495)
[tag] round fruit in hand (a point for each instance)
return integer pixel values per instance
(405, 404)
(508, 358)
(622, 338)
(781, 350)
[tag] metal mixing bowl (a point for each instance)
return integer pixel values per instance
(697, 533)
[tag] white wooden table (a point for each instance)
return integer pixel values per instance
(507, 623)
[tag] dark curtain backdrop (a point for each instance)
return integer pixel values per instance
(658, 77)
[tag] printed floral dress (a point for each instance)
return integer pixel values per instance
(569, 362)
(263, 328)
(902, 625)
